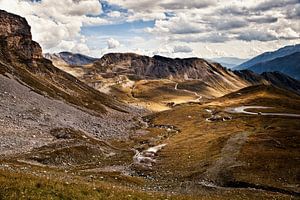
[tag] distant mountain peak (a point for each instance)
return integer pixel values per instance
(229, 62)
(268, 56)
(70, 58)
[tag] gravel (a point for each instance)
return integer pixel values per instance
(26, 119)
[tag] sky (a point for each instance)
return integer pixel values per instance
(174, 28)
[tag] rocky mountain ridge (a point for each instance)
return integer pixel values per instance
(213, 74)
(159, 67)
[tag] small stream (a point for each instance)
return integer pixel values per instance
(146, 158)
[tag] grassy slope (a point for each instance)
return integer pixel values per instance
(23, 186)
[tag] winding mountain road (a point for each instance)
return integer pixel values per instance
(242, 109)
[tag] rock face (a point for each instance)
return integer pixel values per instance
(157, 66)
(250, 76)
(213, 74)
(16, 37)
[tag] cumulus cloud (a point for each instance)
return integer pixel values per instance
(228, 24)
(113, 43)
(148, 5)
(180, 24)
(179, 4)
(230, 20)
(294, 13)
(56, 23)
(263, 20)
(114, 14)
(271, 4)
(256, 35)
(205, 38)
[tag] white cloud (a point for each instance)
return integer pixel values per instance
(182, 49)
(112, 43)
(251, 25)
(114, 14)
(55, 23)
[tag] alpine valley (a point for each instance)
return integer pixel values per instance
(129, 126)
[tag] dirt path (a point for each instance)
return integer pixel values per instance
(199, 97)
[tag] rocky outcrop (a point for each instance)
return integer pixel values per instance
(250, 76)
(158, 66)
(16, 38)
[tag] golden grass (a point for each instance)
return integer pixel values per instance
(270, 155)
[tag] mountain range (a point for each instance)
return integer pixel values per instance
(267, 56)
(285, 60)
(212, 75)
(289, 65)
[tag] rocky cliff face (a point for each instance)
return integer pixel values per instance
(16, 39)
